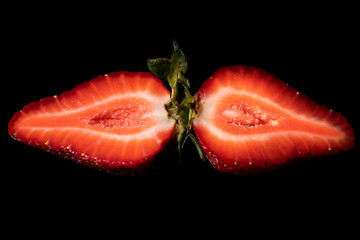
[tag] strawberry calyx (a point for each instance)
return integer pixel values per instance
(182, 105)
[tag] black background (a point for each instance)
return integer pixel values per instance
(49, 52)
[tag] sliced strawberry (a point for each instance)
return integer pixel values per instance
(113, 122)
(250, 120)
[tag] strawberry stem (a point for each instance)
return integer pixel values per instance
(182, 104)
(197, 145)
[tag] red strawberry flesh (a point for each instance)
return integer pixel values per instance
(113, 121)
(249, 119)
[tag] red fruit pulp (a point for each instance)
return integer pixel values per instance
(248, 120)
(112, 122)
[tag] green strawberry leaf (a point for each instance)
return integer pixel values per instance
(182, 105)
(180, 57)
(160, 67)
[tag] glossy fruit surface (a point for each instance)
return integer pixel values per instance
(249, 120)
(113, 122)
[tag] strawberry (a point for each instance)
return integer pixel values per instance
(248, 120)
(116, 122)
(242, 119)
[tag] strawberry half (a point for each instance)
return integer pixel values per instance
(114, 122)
(249, 120)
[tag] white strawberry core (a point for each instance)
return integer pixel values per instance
(246, 116)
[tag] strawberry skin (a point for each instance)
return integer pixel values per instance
(249, 121)
(114, 123)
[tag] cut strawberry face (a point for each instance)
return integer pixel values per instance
(248, 120)
(245, 120)
(114, 122)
